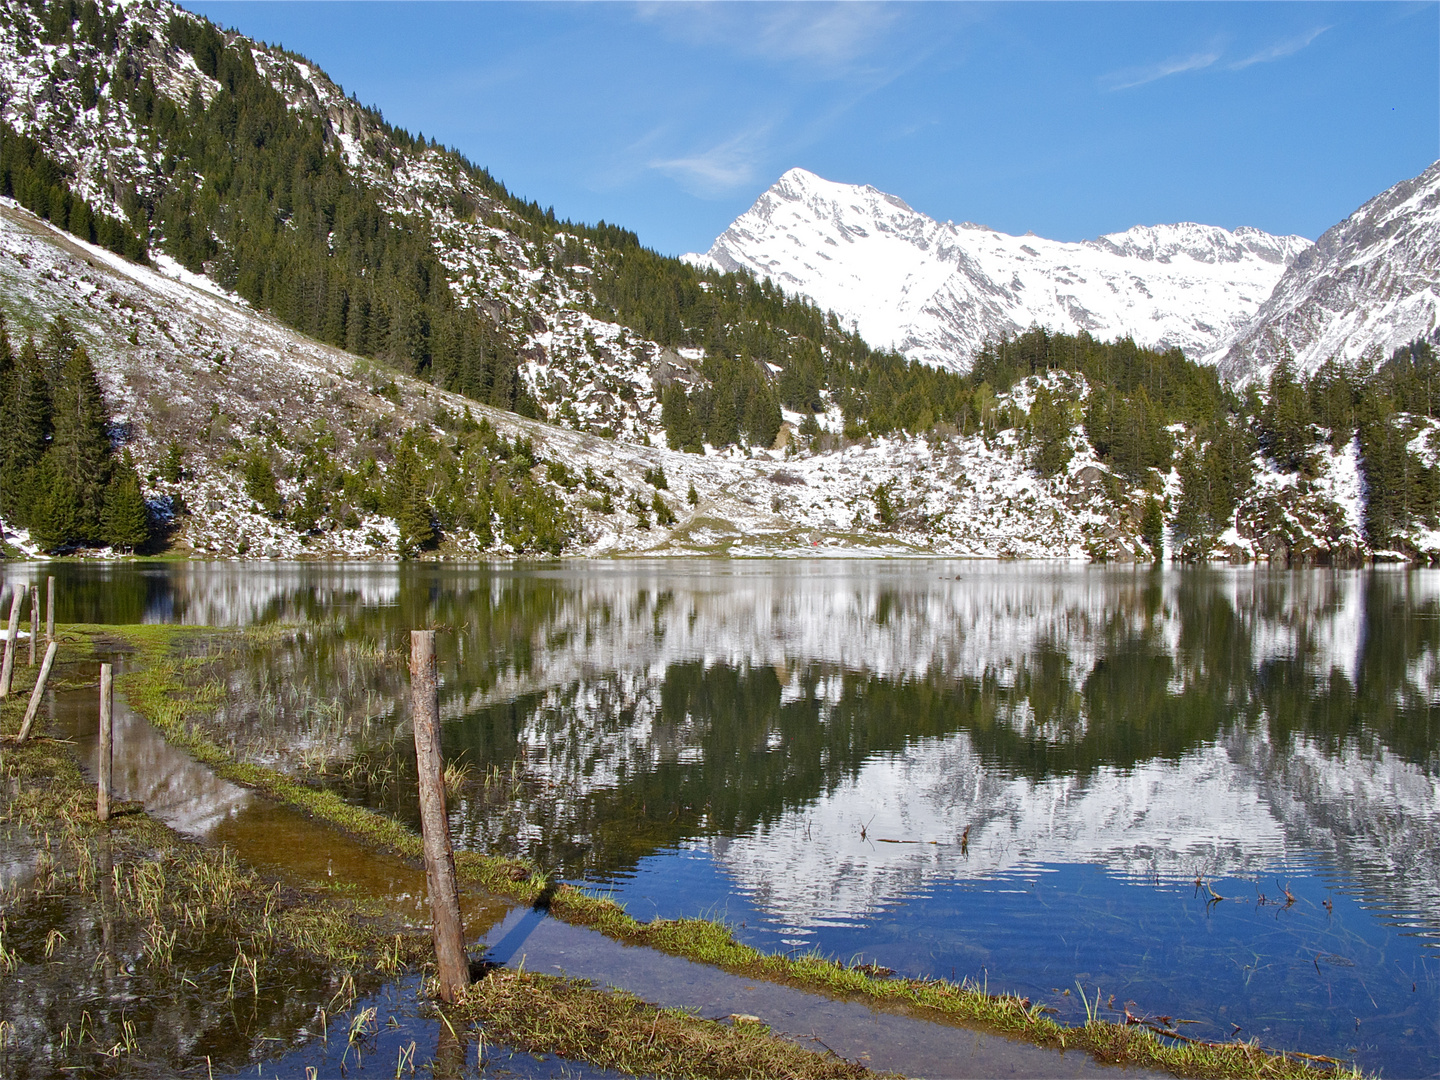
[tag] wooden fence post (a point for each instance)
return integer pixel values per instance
(49, 609)
(440, 883)
(107, 742)
(12, 630)
(34, 620)
(38, 692)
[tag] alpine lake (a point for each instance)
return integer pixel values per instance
(1207, 794)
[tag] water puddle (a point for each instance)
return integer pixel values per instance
(279, 841)
(393, 1032)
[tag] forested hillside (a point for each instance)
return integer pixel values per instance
(151, 133)
(253, 169)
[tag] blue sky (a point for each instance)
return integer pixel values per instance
(1066, 119)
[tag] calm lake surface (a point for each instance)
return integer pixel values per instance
(1036, 776)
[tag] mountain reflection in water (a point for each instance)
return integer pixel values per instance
(805, 744)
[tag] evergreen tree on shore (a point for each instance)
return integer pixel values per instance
(124, 519)
(80, 446)
(58, 475)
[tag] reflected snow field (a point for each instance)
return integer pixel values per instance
(1010, 772)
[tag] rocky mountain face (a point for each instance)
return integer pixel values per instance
(1368, 286)
(936, 291)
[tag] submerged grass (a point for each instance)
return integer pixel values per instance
(120, 941)
(160, 690)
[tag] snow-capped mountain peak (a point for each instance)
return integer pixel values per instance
(937, 290)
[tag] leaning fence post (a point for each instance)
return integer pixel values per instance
(449, 934)
(38, 692)
(34, 620)
(107, 742)
(49, 609)
(12, 630)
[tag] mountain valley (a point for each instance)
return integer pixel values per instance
(319, 335)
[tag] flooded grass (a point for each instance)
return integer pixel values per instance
(175, 693)
(570, 1018)
(123, 944)
(125, 948)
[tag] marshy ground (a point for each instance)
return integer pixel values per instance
(127, 948)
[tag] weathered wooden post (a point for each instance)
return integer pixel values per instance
(49, 609)
(38, 692)
(34, 620)
(107, 742)
(12, 630)
(440, 883)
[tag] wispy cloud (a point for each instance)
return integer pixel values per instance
(1139, 76)
(1288, 47)
(829, 35)
(829, 39)
(723, 167)
(1177, 65)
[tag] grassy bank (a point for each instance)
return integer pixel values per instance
(171, 691)
(559, 1016)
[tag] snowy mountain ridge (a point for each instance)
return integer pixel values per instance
(936, 291)
(1368, 286)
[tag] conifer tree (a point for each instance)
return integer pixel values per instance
(80, 447)
(25, 421)
(28, 417)
(414, 517)
(417, 530)
(762, 414)
(172, 469)
(8, 382)
(682, 427)
(260, 484)
(1287, 418)
(56, 349)
(1049, 434)
(125, 519)
(724, 429)
(1152, 527)
(54, 518)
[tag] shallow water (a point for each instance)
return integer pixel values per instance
(404, 1030)
(1012, 773)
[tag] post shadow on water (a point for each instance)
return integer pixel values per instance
(505, 950)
